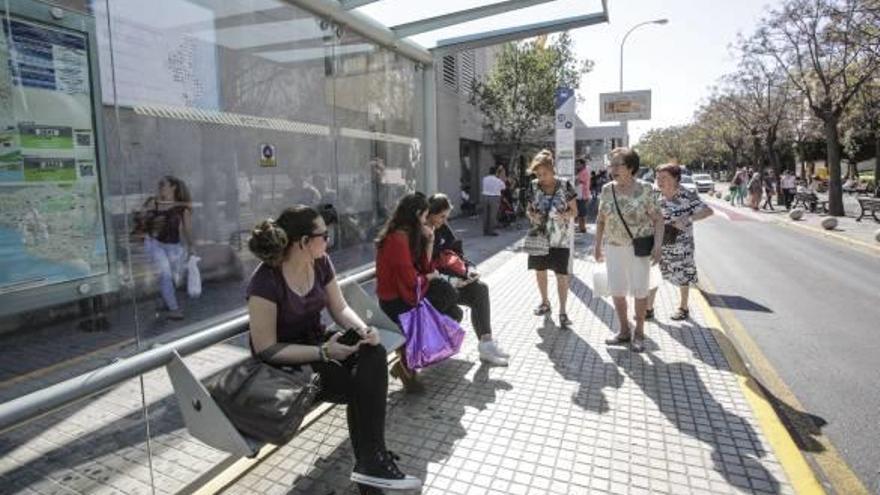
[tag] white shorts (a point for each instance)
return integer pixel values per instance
(628, 275)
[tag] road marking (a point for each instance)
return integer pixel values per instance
(735, 215)
(753, 370)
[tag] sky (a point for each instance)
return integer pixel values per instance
(678, 61)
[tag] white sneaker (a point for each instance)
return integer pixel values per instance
(489, 354)
(498, 350)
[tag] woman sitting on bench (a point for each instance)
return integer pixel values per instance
(286, 295)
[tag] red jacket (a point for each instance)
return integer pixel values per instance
(396, 273)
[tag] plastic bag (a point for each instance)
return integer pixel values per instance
(193, 277)
(600, 280)
(655, 277)
(431, 336)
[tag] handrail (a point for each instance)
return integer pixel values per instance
(36, 404)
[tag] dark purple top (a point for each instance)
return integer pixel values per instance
(299, 317)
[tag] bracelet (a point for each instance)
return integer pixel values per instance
(322, 353)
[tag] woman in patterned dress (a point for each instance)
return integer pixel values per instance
(680, 209)
(551, 207)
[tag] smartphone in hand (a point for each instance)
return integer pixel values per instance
(350, 337)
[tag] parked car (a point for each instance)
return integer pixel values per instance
(688, 183)
(704, 183)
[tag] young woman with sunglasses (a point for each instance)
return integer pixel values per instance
(286, 294)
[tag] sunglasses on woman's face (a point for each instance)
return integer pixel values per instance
(325, 235)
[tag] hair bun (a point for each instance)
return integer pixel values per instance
(268, 242)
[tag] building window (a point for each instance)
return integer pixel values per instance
(450, 73)
(467, 73)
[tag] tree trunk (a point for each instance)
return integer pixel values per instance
(877, 163)
(835, 191)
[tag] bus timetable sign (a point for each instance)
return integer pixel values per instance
(627, 105)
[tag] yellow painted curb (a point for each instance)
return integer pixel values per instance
(802, 478)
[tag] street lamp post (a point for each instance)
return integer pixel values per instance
(656, 21)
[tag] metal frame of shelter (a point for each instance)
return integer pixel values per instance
(397, 39)
(342, 14)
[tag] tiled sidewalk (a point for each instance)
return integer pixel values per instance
(569, 415)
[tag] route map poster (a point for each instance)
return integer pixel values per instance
(51, 216)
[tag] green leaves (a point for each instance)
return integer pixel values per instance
(517, 96)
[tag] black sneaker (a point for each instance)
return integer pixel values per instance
(382, 472)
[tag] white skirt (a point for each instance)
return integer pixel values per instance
(628, 274)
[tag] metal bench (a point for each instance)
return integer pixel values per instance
(206, 422)
(810, 201)
(871, 205)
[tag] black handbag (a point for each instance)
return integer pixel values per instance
(265, 402)
(642, 246)
(670, 234)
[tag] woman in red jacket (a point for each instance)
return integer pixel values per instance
(403, 265)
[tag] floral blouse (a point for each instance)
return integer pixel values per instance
(636, 209)
(551, 207)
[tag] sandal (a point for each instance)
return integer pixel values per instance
(543, 309)
(638, 344)
(649, 314)
(681, 314)
(407, 377)
(619, 339)
(564, 322)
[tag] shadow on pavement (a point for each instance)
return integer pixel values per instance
(421, 428)
(698, 340)
(801, 425)
(736, 447)
(576, 361)
(734, 302)
(597, 305)
(84, 457)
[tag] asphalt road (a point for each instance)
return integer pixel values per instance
(812, 305)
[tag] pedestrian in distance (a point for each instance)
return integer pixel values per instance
(628, 210)
(788, 184)
(582, 182)
(769, 189)
(493, 185)
(449, 260)
(403, 265)
(287, 292)
(551, 208)
(680, 208)
(755, 186)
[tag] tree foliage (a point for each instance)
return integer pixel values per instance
(517, 98)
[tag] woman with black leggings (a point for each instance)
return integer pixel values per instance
(471, 291)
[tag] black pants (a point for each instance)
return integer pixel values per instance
(788, 197)
(474, 295)
(361, 383)
(768, 201)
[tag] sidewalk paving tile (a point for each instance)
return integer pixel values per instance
(569, 415)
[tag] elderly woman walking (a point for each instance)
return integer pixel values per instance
(551, 208)
(680, 209)
(632, 224)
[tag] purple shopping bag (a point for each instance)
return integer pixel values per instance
(431, 336)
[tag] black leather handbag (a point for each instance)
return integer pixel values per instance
(670, 234)
(642, 246)
(265, 402)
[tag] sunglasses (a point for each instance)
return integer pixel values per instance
(325, 235)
